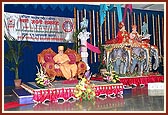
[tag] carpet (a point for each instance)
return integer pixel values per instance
(70, 81)
(14, 104)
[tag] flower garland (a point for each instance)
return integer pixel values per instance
(84, 90)
(137, 57)
(42, 79)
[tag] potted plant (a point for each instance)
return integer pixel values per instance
(13, 56)
(75, 39)
(111, 76)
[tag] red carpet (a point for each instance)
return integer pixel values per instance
(70, 81)
(100, 78)
(12, 105)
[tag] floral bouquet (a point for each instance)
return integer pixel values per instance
(110, 76)
(42, 79)
(84, 90)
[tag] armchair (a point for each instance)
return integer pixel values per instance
(45, 58)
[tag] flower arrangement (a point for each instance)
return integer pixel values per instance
(84, 90)
(110, 76)
(42, 79)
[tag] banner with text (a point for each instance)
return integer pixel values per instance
(38, 28)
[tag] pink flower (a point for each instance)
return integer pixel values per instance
(46, 82)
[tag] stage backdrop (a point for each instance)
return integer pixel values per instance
(69, 11)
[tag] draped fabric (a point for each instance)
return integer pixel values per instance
(127, 6)
(64, 10)
(93, 48)
(119, 12)
(66, 93)
(136, 80)
(103, 9)
(141, 80)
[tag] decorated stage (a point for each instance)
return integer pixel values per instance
(63, 91)
(138, 80)
(66, 91)
(144, 80)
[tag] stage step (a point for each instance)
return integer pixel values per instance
(156, 85)
(22, 96)
(127, 91)
(156, 89)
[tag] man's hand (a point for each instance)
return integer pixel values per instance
(56, 66)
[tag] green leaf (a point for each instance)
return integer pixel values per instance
(42, 83)
(116, 76)
(37, 78)
(38, 82)
(12, 69)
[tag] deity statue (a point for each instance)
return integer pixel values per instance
(84, 24)
(122, 34)
(144, 28)
(134, 35)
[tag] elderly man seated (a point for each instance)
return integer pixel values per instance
(62, 62)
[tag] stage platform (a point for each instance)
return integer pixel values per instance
(66, 91)
(137, 80)
(141, 80)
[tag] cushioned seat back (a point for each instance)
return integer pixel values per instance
(72, 58)
(48, 57)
